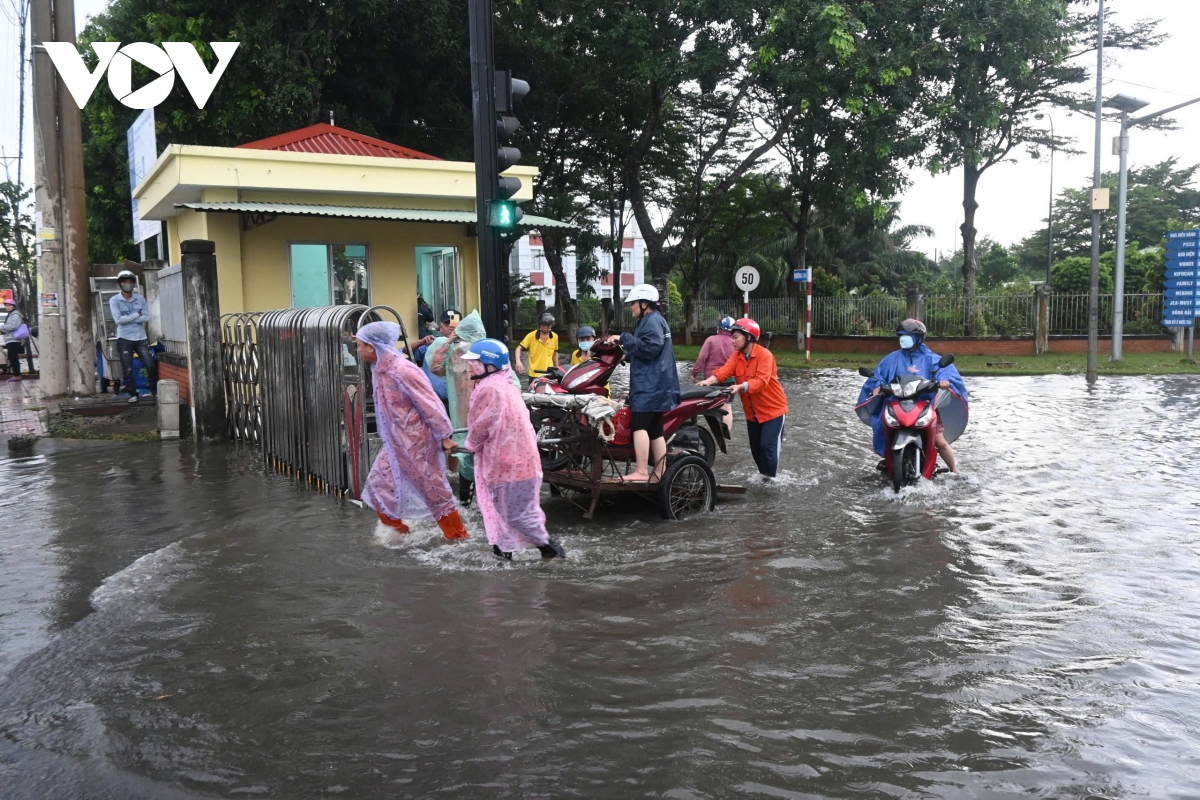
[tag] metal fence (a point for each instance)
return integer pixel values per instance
(999, 316)
(243, 400)
(295, 386)
(171, 309)
(1069, 314)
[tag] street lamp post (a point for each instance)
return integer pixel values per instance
(1050, 218)
(1126, 105)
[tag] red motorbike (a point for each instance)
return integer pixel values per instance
(681, 425)
(913, 407)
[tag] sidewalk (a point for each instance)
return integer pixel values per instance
(21, 409)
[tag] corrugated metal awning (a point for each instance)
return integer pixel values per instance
(362, 212)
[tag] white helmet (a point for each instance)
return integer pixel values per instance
(125, 274)
(643, 291)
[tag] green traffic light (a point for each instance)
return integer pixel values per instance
(504, 214)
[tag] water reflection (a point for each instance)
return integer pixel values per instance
(1029, 627)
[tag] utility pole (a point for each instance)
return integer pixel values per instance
(1094, 279)
(65, 331)
(52, 338)
(1127, 105)
(81, 354)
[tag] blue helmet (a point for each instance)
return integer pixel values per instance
(491, 352)
(727, 323)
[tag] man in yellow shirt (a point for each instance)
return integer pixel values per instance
(542, 345)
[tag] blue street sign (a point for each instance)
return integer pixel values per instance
(1188, 283)
(802, 275)
(1182, 263)
(1192, 234)
(1181, 322)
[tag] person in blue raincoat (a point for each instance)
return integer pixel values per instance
(653, 380)
(914, 357)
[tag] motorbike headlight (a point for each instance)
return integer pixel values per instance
(925, 417)
(889, 418)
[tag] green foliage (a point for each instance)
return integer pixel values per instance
(17, 263)
(1162, 197)
(826, 284)
(674, 299)
(1072, 275)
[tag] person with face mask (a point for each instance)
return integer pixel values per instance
(408, 478)
(508, 469)
(131, 314)
(586, 337)
(914, 358)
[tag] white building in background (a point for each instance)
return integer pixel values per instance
(527, 259)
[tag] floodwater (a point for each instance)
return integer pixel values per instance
(176, 623)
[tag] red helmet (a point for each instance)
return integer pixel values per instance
(748, 327)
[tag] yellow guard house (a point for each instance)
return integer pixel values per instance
(325, 216)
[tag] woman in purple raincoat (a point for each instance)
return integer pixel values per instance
(408, 478)
(508, 470)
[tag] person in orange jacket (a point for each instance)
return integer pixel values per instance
(757, 380)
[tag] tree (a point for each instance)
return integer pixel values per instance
(991, 66)
(18, 267)
(1162, 196)
(1073, 274)
(383, 68)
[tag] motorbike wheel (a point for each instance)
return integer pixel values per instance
(549, 424)
(904, 468)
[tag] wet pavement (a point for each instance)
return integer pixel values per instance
(176, 623)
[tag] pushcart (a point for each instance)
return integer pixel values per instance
(586, 454)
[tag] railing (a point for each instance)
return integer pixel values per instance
(1069, 314)
(294, 385)
(873, 315)
(243, 399)
(999, 316)
(170, 303)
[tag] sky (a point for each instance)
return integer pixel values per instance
(1013, 196)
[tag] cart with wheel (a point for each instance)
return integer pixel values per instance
(586, 452)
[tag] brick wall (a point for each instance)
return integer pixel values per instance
(175, 369)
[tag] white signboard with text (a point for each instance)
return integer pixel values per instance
(142, 155)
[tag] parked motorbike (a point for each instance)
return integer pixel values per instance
(910, 422)
(681, 426)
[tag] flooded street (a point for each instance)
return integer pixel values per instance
(177, 623)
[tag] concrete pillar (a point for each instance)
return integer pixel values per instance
(1041, 318)
(150, 270)
(168, 409)
(916, 303)
(205, 362)
(1177, 340)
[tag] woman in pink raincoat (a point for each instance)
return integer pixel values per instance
(508, 470)
(408, 478)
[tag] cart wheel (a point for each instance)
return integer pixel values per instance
(687, 488)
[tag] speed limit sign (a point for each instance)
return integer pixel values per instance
(746, 279)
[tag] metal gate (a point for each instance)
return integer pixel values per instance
(295, 386)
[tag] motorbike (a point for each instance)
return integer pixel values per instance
(910, 422)
(681, 425)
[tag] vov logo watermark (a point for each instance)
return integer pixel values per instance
(117, 60)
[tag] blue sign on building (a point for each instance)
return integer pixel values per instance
(1181, 298)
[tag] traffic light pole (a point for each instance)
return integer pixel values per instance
(493, 277)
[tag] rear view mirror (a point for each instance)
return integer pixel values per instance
(866, 372)
(946, 360)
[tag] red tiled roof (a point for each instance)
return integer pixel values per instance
(323, 138)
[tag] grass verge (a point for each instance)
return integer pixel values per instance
(1045, 364)
(69, 426)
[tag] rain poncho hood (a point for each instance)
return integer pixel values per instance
(446, 358)
(919, 360)
(408, 478)
(508, 470)
(653, 381)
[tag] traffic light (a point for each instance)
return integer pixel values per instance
(504, 213)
